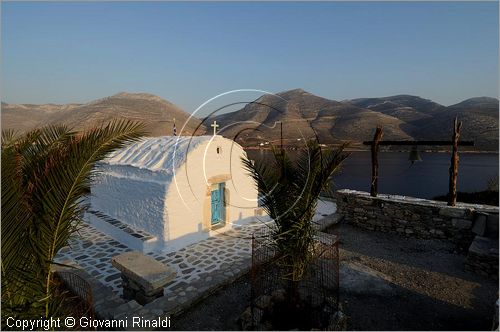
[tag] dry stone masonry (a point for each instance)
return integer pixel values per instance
(482, 257)
(414, 217)
(472, 227)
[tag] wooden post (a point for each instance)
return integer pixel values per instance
(376, 139)
(452, 192)
(281, 135)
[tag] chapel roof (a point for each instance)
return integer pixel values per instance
(157, 153)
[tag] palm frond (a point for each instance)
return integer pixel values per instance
(50, 171)
(8, 136)
(19, 282)
(60, 194)
(290, 192)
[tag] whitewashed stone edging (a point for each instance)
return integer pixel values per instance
(414, 217)
(202, 268)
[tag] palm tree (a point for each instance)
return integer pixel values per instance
(46, 175)
(290, 192)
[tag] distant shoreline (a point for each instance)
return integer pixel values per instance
(392, 151)
(429, 151)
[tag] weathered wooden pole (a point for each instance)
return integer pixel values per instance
(374, 148)
(452, 192)
(281, 135)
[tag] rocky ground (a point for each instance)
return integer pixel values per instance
(387, 283)
(410, 284)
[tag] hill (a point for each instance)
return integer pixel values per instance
(429, 120)
(404, 117)
(404, 107)
(157, 113)
(480, 122)
(304, 114)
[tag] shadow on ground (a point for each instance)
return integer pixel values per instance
(373, 302)
(387, 283)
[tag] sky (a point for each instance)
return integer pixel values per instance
(61, 52)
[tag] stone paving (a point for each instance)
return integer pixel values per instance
(93, 250)
(200, 267)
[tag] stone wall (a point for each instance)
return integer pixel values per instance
(418, 218)
(482, 257)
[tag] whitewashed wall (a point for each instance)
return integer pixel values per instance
(172, 205)
(187, 193)
(133, 196)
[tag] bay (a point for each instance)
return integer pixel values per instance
(425, 179)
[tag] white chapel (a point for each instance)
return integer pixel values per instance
(164, 193)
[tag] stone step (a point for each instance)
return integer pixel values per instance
(143, 277)
(133, 238)
(482, 257)
(486, 225)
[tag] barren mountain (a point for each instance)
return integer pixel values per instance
(430, 120)
(24, 117)
(304, 114)
(154, 111)
(403, 117)
(404, 107)
(479, 117)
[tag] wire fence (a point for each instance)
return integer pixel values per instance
(81, 290)
(317, 295)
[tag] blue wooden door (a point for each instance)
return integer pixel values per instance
(218, 212)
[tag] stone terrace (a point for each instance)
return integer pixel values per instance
(200, 267)
(93, 251)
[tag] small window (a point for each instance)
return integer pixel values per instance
(219, 150)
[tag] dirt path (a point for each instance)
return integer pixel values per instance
(421, 284)
(387, 283)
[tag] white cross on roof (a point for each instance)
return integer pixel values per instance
(215, 126)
